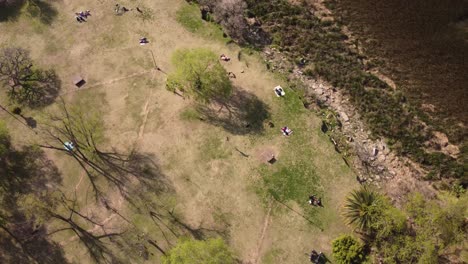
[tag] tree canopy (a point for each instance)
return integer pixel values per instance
(199, 75)
(211, 251)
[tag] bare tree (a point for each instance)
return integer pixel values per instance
(26, 84)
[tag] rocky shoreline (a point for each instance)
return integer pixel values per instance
(374, 162)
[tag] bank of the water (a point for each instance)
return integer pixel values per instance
(424, 44)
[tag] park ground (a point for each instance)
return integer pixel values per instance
(218, 182)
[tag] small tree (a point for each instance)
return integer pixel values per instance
(211, 251)
(360, 208)
(26, 84)
(199, 75)
(348, 250)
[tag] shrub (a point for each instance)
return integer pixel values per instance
(348, 250)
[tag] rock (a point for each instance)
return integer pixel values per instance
(452, 150)
(381, 158)
(319, 91)
(440, 139)
(375, 151)
(344, 116)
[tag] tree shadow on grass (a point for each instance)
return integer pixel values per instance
(40, 89)
(11, 12)
(42, 10)
(27, 171)
(32, 246)
(22, 172)
(242, 113)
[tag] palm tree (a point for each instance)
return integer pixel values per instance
(360, 208)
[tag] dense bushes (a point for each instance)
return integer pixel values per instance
(348, 250)
(423, 232)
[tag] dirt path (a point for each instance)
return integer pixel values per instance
(266, 223)
(111, 81)
(145, 113)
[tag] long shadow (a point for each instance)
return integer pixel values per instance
(242, 113)
(316, 223)
(33, 247)
(27, 171)
(136, 175)
(23, 172)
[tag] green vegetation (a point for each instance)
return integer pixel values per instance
(348, 250)
(189, 17)
(190, 114)
(4, 139)
(292, 183)
(299, 34)
(294, 177)
(211, 251)
(360, 206)
(213, 148)
(422, 232)
(199, 75)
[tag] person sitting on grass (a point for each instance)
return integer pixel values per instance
(312, 199)
(279, 91)
(313, 256)
(286, 131)
(224, 57)
(143, 41)
(318, 202)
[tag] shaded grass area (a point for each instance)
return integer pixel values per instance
(299, 34)
(189, 17)
(38, 9)
(242, 113)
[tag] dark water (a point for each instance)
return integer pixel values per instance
(425, 43)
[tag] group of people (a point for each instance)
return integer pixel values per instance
(314, 201)
(82, 16)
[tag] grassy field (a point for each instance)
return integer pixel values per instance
(216, 183)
